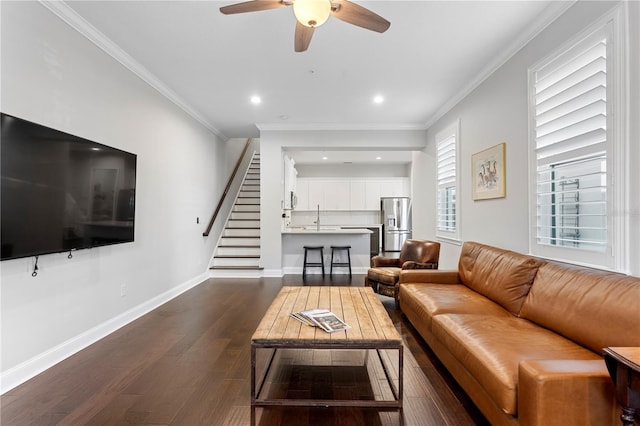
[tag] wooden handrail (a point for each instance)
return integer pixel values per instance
(226, 190)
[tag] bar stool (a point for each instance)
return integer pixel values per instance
(307, 264)
(341, 264)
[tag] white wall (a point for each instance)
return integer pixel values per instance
(495, 112)
(54, 76)
(272, 144)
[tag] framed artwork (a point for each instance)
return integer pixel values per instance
(488, 173)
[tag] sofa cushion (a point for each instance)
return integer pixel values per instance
(491, 347)
(428, 300)
(593, 308)
(502, 275)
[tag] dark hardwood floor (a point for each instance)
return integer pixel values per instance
(188, 363)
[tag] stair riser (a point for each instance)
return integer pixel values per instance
(247, 200)
(246, 207)
(235, 223)
(255, 233)
(254, 194)
(245, 215)
(248, 241)
(238, 251)
(251, 187)
(236, 262)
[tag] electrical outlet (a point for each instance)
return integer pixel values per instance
(123, 290)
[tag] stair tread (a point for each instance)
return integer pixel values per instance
(238, 246)
(232, 256)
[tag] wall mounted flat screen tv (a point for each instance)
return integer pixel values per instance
(61, 192)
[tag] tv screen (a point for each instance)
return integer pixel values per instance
(61, 192)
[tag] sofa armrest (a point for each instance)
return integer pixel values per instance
(381, 261)
(567, 391)
(434, 276)
(410, 264)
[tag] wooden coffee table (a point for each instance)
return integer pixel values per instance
(359, 307)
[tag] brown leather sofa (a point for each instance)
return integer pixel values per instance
(524, 336)
(385, 271)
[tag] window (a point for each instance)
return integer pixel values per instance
(573, 102)
(448, 215)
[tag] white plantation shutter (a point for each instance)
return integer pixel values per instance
(571, 147)
(447, 221)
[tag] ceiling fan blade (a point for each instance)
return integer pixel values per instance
(357, 15)
(252, 6)
(303, 37)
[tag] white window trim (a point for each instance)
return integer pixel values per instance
(616, 256)
(451, 129)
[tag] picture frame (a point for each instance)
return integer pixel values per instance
(488, 173)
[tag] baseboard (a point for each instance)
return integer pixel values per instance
(22, 372)
(239, 273)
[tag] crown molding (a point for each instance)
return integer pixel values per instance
(550, 14)
(338, 126)
(78, 23)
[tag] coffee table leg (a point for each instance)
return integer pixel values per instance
(253, 375)
(397, 392)
(400, 373)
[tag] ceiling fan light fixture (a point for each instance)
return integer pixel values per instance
(312, 13)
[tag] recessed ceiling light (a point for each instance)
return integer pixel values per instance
(378, 99)
(378, 158)
(325, 158)
(255, 100)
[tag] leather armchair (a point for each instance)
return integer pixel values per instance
(385, 271)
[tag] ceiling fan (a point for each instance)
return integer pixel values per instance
(313, 13)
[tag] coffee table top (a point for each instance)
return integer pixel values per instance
(359, 307)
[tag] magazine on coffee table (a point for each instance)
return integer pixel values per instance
(325, 319)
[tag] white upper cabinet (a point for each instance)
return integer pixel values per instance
(348, 193)
(316, 195)
(302, 194)
(357, 196)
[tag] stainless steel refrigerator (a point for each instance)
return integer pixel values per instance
(395, 214)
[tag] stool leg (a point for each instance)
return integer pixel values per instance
(322, 261)
(331, 267)
(304, 265)
(349, 260)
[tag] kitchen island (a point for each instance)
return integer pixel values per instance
(295, 238)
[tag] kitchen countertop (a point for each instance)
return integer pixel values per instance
(324, 230)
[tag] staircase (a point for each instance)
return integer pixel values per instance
(238, 251)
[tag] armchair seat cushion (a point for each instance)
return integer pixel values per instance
(387, 275)
(384, 274)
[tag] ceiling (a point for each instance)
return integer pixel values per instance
(212, 64)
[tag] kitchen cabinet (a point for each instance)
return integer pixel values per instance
(302, 194)
(316, 195)
(348, 193)
(357, 195)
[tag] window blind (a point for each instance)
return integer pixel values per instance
(447, 165)
(571, 147)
